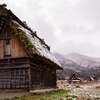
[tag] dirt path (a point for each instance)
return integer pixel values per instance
(11, 95)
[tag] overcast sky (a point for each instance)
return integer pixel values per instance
(66, 25)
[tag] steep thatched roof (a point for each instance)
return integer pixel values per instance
(29, 39)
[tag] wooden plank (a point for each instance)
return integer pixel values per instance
(17, 50)
(15, 66)
(1, 49)
(29, 75)
(14, 78)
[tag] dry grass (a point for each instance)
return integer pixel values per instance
(53, 95)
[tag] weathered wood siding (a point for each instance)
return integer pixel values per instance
(43, 78)
(17, 49)
(14, 78)
(1, 49)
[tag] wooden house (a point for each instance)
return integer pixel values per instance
(74, 78)
(25, 59)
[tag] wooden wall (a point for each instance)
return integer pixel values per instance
(43, 78)
(16, 49)
(14, 78)
(1, 49)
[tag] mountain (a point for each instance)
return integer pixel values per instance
(67, 63)
(83, 60)
(85, 66)
(69, 67)
(97, 59)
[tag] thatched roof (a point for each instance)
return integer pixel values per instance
(29, 39)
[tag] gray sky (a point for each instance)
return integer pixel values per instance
(66, 25)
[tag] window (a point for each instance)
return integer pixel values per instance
(7, 48)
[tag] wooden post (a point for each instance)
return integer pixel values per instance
(29, 75)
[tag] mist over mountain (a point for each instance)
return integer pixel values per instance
(83, 60)
(85, 66)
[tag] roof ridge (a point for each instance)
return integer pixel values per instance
(39, 44)
(14, 17)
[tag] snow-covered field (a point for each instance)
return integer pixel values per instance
(87, 90)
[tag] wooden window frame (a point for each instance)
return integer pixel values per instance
(7, 42)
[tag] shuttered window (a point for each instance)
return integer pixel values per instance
(7, 48)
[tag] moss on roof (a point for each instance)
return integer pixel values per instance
(28, 39)
(22, 38)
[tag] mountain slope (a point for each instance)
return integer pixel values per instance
(67, 63)
(83, 60)
(69, 67)
(85, 66)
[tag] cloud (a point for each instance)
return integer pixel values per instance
(66, 25)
